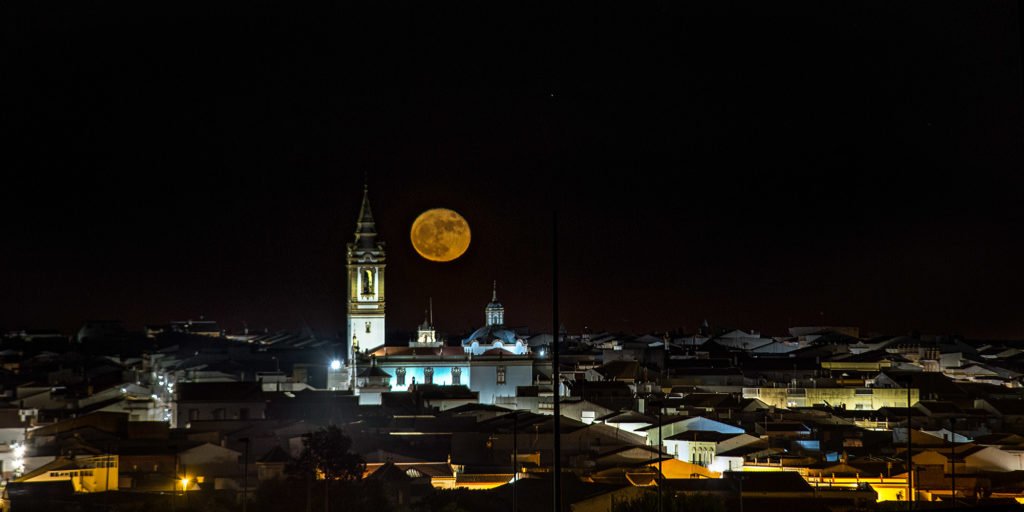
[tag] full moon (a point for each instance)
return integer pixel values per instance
(440, 235)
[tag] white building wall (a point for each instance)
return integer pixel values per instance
(357, 326)
(723, 464)
(995, 459)
(10, 436)
(484, 380)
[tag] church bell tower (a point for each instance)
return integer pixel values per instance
(365, 263)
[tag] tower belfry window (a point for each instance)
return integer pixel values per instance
(367, 281)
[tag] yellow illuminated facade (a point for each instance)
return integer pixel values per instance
(861, 399)
(86, 474)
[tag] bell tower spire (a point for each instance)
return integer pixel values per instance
(365, 261)
(366, 229)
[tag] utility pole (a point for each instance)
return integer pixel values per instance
(245, 476)
(661, 482)
(555, 378)
(174, 486)
(106, 465)
(740, 477)
(952, 459)
(910, 460)
(515, 457)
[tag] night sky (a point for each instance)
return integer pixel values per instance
(760, 166)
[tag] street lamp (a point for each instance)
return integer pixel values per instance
(184, 490)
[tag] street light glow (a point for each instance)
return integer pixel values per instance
(336, 364)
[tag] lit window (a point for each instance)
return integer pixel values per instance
(367, 281)
(501, 375)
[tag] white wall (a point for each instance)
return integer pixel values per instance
(484, 380)
(996, 459)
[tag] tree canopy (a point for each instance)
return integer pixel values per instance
(325, 454)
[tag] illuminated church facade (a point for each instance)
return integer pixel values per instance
(492, 361)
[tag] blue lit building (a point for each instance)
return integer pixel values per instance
(492, 361)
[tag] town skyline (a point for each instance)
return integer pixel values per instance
(407, 321)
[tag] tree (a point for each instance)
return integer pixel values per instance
(325, 455)
(326, 459)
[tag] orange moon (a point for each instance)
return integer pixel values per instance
(440, 235)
